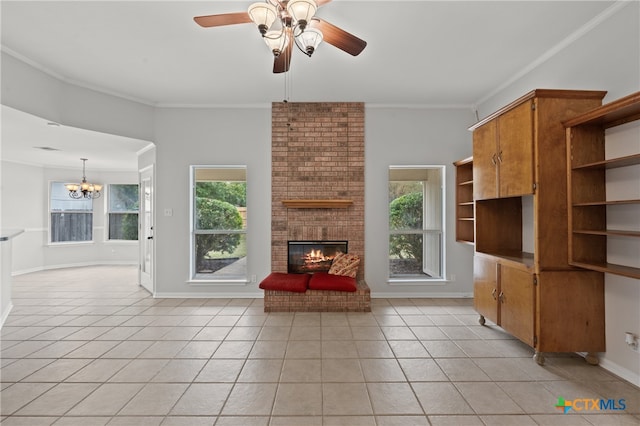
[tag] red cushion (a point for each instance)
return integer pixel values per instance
(285, 282)
(326, 281)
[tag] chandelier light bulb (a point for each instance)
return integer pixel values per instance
(310, 39)
(276, 40)
(302, 11)
(263, 15)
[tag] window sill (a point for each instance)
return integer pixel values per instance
(70, 244)
(417, 281)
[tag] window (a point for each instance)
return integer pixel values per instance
(219, 223)
(71, 219)
(123, 204)
(416, 222)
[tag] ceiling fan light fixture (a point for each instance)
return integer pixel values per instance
(276, 40)
(309, 40)
(302, 11)
(283, 23)
(263, 15)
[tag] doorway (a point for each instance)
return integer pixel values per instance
(146, 230)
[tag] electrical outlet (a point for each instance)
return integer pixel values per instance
(452, 277)
(253, 278)
(631, 340)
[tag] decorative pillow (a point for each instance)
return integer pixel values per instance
(326, 281)
(286, 282)
(345, 264)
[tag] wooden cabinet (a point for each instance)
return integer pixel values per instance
(504, 293)
(589, 204)
(485, 288)
(503, 149)
(485, 162)
(465, 213)
(517, 302)
(522, 278)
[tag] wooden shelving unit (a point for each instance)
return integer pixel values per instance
(522, 279)
(586, 185)
(465, 207)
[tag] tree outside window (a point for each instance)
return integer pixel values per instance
(219, 223)
(124, 204)
(416, 222)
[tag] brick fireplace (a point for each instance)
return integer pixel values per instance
(317, 155)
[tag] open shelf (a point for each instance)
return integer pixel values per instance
(465, 207)
(629, 160)
(606, 203)
(518, 259)
(611, 268)
(589, 241)
(612, 232)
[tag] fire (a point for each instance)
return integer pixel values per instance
(315, 256)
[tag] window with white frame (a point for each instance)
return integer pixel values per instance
(71, 220)
(123, 204)
(416, 222)
(219, 223)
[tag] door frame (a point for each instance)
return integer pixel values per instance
(146, 276)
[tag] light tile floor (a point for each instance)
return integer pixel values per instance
(87, 346)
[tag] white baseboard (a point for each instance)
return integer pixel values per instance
(429, 295)
(207, 295)
(72, 265)
(5, 314)
(622, 372)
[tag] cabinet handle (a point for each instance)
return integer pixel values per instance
(493, 159)
(493, 294)
(500, 157)
(501, 297)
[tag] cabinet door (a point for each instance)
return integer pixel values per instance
(485, 288)
(484, 161)
(515, 151)
(517, 303)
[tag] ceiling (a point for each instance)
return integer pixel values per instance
(423, 53)
(24, 136)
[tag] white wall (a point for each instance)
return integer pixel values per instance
(215, 136)
(25, 213)
(28, 89)
(606, 58)
(223, 137)
(32, 252)
(413, 136)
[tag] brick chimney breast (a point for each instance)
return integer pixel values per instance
(317, 152)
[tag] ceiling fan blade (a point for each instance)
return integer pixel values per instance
(322, 2)
(283, 61)
(223, 19)
(339, 37)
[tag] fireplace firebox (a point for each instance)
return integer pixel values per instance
(312, 256)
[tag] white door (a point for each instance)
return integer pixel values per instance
(146, 229)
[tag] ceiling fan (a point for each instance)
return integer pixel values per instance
(283, 23)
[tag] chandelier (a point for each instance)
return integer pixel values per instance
(84, 189)
(281, 21)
